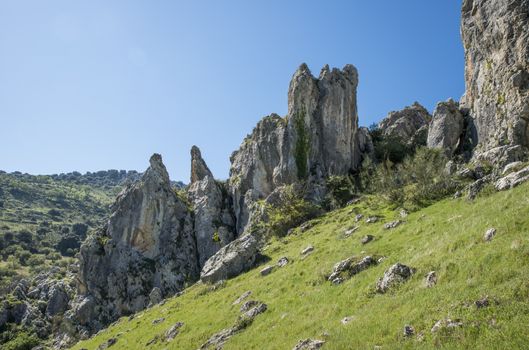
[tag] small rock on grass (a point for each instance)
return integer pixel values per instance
(489, 234)
(267, 270)
(366, 239)
(307, 250)
(431, 279)
(282, 261)
(309, 344)
(242, 297)
(409, 331)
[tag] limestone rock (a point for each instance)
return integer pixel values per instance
(406, 123)
(147, 242)
(58, 299)
(214, 223)
(242, 297)
(282, 261)
(231, 260)
(172, 332)
(489, 235)
(512, 180)
(307, 250)
(447, 127)
(495, 37)
(309, 344)
(431, 279)
(392, 224)
(408, 331)
(367, 238)
(446, 324)
(266, 270)
(349, 268)
(397, 273)
(316, 139)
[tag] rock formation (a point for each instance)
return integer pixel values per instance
(213, 221)
(496, 37)
(405, 124)
(316, 139)
(148, 242)
(447, 127)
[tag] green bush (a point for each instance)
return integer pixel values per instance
(22, 341)
(340, 190)
(417, 182)
(290, 211)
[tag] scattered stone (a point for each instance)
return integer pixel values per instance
(307, 226)
(489, 234)
(367, 238)
(354, 201)
(403, 213)
(282, 261)
(267, 270)
(242, 297)
(158, 320)
(231, 259)
(309, 344)
(392, 224)
(350, 231)
(347, 266)
(431, 279)
(347, 319)
(512, 180)
(372, 219)
(397, 273)
(358, 217)
(409, 331)
(155, 297)
(257, 309)
(307, 250)
(458, 194)
(108, 344)
(482, 303)
(446, 323)
(248, 305)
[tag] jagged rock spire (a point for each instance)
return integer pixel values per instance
(199, 169)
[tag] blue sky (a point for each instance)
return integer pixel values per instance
(91, 85)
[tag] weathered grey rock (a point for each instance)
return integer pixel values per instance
(155, 296)
(316, 139)
(231, 260)
(404, 124)
(58, 300)
(214, 223)
(495, 37)
(446, 323)
(447, 127)
(511, 167)
(408, 331)
(372, 219)
(366, 239)
(365, 145)
(431, 279)
(392, 224)
(158, 320)
(350, 231)
(266, 270)
(172, 332)
(309, 344)
(282, 261)
(489, 235)
(396, 274)
(307, 250)
(500, 156)
(350, 268)
(482, 303)
(242, 297)
(358, 217)
(148, 242)
(347, 319)
(512, 180)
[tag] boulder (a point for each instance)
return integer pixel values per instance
(350, 267)
(231, 260)
(512, 180)
(406, 123)
(431, 279)
(489, 234)
(266, 270)
(309, 344)
(367, 238)
(58, 300)
(392, 224)
(447, 126)
(155, 297)
(172, 332)
(396, 274)
(282, 261)
(409, 331)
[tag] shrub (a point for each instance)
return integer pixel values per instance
(340, 191)
(22, 341)
(289, 211)
(418, 181)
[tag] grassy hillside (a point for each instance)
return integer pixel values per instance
(446, 237)
(43, 219)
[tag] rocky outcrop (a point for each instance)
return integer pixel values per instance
(405, 124)
(513, 179)
(214, 223)
(447, 127)
(231, 260)
(148, 242)
(316, 139)
(495, 37)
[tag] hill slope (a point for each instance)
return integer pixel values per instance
(446, 237)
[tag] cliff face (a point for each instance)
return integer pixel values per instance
(496, 41)
(148, 244)
(316, 139)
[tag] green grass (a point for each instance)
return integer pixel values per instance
(446, 237)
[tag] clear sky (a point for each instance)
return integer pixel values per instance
(93, 85)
